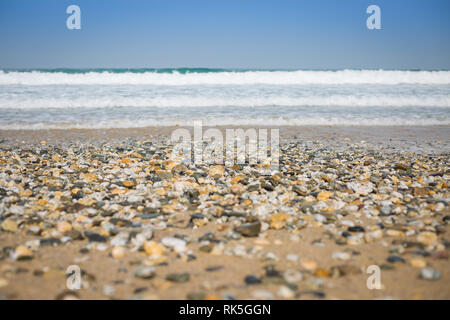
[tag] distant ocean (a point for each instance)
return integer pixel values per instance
(123, 98)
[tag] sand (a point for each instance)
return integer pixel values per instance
(44, 277)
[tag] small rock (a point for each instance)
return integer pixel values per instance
(237, 188)
(95, 237)
(418, 263)
(216, 171)
(386, 210)
(395, 259)
(118, 252)
(50, 242)
(153, 248)
(250, 279)
(292, 276)
(341, 255)
(285, 292)
(320, 218)
(178, 277)
(262, 295)
(129, 183)
(109, 290)
(309, 265)
(64, 227)
(253, 187)
(313, 293)
(400, 166)
(144, 272)
(22, 253)
(67, 295)
(267, 186)
(429, 274)
(300, 190)
(360, 188)
(213, 268)
(10, 225)
(196, 296)
(178, 245)
(249, 229)
(324, 196)
(356, 229)
(427, 238)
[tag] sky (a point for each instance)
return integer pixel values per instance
(261, 34)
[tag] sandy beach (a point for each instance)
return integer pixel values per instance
(255, 153)
(140, 226)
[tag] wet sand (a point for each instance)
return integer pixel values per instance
(418, 138)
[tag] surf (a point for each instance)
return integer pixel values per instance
(221, 77)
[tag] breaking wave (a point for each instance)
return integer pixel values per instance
(174, 77)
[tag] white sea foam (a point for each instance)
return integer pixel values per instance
(26, 102)
(227, 78)
(36, 99)
(229, 121)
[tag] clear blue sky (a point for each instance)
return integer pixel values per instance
(312, 34)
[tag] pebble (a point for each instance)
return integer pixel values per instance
(309, 265)
(292, 276)
(312, 293)
(252, 280)
(285, 292)
(324, 196)
(427, 238)
(216, 171)
(50, 242)
(64, 227)
(400, 166)
(196, 296)
(22, 253)
(341, 255)
(360, 188)
(178, 245)
(109, 290)
(237, 188)
(386, 210)
(144, 272)
(429, 274)
(395, 259)
(118, 252)
(155, 249)
(320, 218)
(67, 295)
(9, 225)
(356, 229)
(213, 268)
(95, 237)
(249, 229)
(262, 295)
(418, 263)
(178, 277)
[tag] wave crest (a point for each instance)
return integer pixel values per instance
(299, 77)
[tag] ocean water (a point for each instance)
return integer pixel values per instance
(122, 98)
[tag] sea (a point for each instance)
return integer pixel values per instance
(127, 98)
